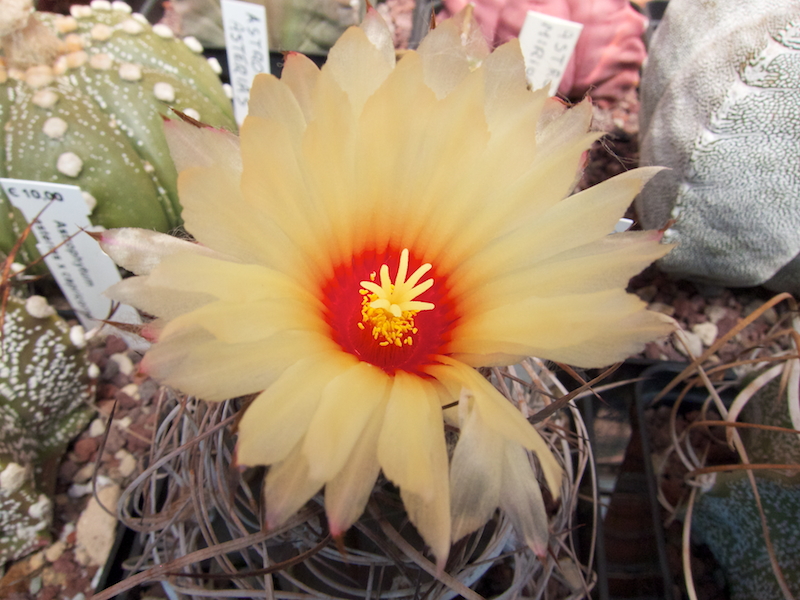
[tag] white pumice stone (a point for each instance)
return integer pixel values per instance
(38, 307)
(55, 128)
(164, 91)
(69, 164)
(163, 31)
(130, 72)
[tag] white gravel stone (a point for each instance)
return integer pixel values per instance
(54, 552)
(715, 313)
(127, 462)
(125, 364)
(132, 390)
(97, 428)
(96, 529)
(707, 332)
(693, 341)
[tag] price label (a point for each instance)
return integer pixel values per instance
(547, 44)
(245, 26)
(81, 269)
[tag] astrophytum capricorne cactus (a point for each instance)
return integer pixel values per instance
(81, 102)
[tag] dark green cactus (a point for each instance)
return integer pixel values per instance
(81, 102)
(45, 400)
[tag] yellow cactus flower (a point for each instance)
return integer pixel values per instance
(377, 230)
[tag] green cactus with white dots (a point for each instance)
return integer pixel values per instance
(82, 98)
(45, 400)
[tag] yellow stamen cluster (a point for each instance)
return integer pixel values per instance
(390, 308)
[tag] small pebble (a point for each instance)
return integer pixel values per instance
(70, 164)
(707, 332)
(715, 313)
(54, 552)
(98, 427)
(164, 91)
(693, 341)
(662, 308)
(127, 463)
(38, 307)
(132, 390)
(125, 364)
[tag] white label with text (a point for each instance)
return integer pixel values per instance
(547, 44)
(81, 269)
(246, 43)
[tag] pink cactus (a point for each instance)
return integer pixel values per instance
(609, 51)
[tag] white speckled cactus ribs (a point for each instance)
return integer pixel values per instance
(721, 108)
(45, 400)
(89, 111)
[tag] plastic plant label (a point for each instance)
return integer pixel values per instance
(81, 269)
(547, 43)
(246, 43)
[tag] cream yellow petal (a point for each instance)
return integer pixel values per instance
(195, 363)
(548, 323)
(449, 51)
(346, 495)
(243, 322)
(522, 499)
(432, 517)
(300, 75)
(192, 146)
(358, 66)
(475, 474)
(273, 182)
(276, 421)
(271, 98)
(378, 33)
(155, 301)
(224, 279)
(348, 401)
(329, 155)
(140, 250)
(541, 234)
(410, 435)
(399, 111)
(497, 413)
(602, 265)
(288, 487)
(217, 215)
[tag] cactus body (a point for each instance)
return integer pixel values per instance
(92, 116)
(45, 401)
